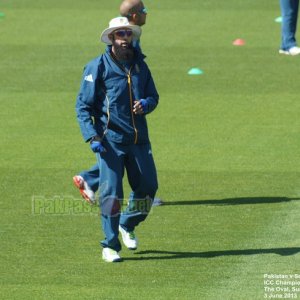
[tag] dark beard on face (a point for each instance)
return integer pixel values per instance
(123, 53)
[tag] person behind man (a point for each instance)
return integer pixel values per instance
(134, 11)
(289, 12)
(116, 93)
(88, 181)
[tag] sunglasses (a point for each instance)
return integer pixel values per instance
(141, 11)
(123, 32)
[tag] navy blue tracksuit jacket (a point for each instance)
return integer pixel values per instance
(107, 93)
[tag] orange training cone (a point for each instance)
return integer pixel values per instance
(239, 42)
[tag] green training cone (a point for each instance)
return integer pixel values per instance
(2, 15)
(195, 71)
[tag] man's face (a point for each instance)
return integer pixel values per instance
(122, 37)
(122, 43)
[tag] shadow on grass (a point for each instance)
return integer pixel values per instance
(233, 201)
(160, 254)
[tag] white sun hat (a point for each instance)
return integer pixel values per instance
(117, 23)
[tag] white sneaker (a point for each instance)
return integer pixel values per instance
(84, 189)
(292, 51)
(129, 239)
(110, 255)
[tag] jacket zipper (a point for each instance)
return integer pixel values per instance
(130, 94)
(131, 106)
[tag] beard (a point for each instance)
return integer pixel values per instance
(123, 52)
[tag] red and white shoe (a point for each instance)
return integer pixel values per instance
(84, 189)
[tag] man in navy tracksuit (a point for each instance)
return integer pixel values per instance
(87, 181)
(116, 93)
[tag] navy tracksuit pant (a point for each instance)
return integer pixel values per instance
(138, 161)
(289, 12)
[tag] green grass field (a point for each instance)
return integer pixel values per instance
(226, 145)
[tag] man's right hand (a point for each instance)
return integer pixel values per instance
(96, 145)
